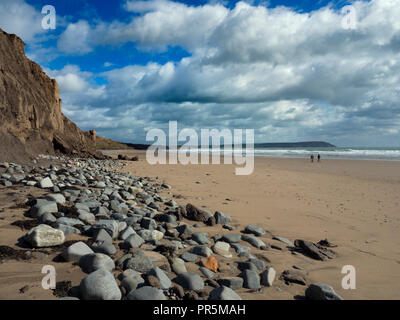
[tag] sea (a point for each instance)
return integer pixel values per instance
(348, 153)
(345, 153)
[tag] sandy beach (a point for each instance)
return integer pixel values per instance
(354, 204)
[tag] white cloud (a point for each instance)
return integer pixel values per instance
(291, 75)
(19, 18)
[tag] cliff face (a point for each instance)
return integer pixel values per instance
(31, 120)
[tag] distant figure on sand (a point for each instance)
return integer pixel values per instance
(312, 158)
(319, 157)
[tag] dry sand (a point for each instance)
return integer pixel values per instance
(355, 204)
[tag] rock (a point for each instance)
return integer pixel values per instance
(126, 233)
(196, 214)
(46, 183)
(151, 235)
(139, 262)
(290, 276)
(177, 290)
(284, 240)
(133, 241)
(321, 291)
(206, 272)
(76, 251)
(105, 247)
(246, 266)
(189, 257)
(190, 281)
(210, 263)
(100, 285)
(224, 293)
(102, 235)
(44, 236)
(260, 265)
(221, 218)
(201, 251)
(231, 282)
(146, 293)
(69, 221)
(87, 217)
(58, 198)
(178, 266)
(95, 261)
(149, 224)
(268, 277)
(255, 242)
(152, 281)
(222, 248)
(257, 231)
(165, 282)
(42, 207)
(110, 226)
(132, 282)
(251, 279)
(232, 237)
(185, 232)
(200, 238)
(240, 249)
(67, 229)
(47, 218)
(314, 251)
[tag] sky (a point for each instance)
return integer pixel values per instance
(290, 70)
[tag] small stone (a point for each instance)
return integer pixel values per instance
(190, 257)
(321, 291)
(178, 266)
(95, 261)
(201, 251)
(221, 218)
(234, 283)
(139, 262)
(165, 282)
(255, 242)
(133, 241)
(146, 293)
(46, 183)
(207, 273)
(210, 263)
(200, 238)
(44, 236)
(190, 281)
(268, 277)
(290, 276)
(76, 251)
(257, 231)
(100, 285)
(232, 237)
(224, 293)
(284, 240)
(58, 198)
(105, 247)
(251, 279)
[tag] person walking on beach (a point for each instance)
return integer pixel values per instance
(312, 158)
(319, 157)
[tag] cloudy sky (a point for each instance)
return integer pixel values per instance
(290, 70)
